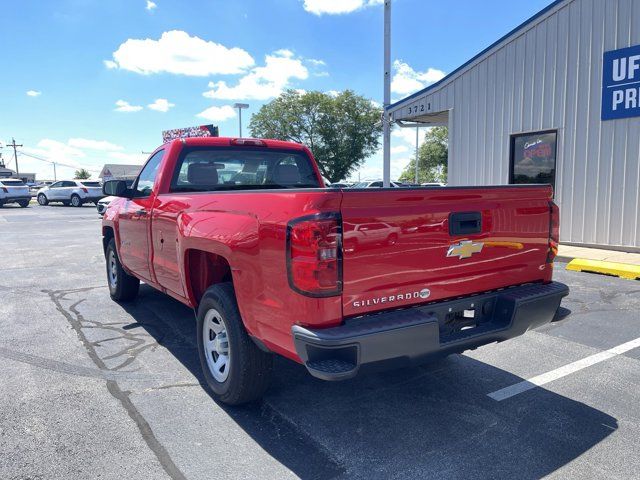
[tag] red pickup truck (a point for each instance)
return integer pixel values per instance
(245, 232)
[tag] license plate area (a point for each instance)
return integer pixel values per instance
(468, 317)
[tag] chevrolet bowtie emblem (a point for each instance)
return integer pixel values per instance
(465, 249)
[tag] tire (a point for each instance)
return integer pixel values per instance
(122, 286)
(392, 240)
(23, 203)
(247, 373)
(42, 199)
(76, 201)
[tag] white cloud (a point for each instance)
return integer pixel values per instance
(317, 62)
(124, 106)
(332, 93)
(336, 7)
(100, 145)
(179, 53)
(218, 114)
(399, 149)
(262, 83)
(406, 80)
(151, 5)
(161, 105)
(135, 158)
(408, 136)
(34, 93)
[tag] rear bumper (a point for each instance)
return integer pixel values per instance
(415, 335)
(15, 199)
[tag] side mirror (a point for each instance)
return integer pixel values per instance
(116, 188)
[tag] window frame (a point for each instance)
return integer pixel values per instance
(512, 147)
(134, 186)
(185, 151)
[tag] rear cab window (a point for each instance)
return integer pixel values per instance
(207, 169)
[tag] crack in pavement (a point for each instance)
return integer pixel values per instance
(66, 368)
(75, 319)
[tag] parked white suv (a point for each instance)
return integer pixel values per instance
(71, 192)
(13, 190)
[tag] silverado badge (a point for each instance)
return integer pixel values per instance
(464, 249)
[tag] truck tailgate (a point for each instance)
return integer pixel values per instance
(410, 246)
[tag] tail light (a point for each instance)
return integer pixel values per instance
(84, 189)
(554, 231)
(250, 142)
(5, 189)
(314, 255)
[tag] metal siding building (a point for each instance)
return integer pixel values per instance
(547, 74)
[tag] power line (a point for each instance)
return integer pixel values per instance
(36, 157)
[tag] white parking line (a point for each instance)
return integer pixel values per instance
(563, 371)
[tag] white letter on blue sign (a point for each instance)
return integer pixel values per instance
(618, 98)
(631, 100)
(633, 65)
(619, 70)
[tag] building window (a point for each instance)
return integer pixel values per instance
(533, 158)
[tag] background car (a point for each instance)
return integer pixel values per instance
(14, 190)
(71, 192)
(374, 184)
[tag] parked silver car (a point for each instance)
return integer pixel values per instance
(13, 190)
(71, 192)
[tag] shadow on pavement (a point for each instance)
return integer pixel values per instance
(434, 421)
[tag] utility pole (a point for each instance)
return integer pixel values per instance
(15, 154)
(240, 106)
(55, 178)
(386, 136)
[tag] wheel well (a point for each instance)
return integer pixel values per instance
(204, 269)
(107, 235)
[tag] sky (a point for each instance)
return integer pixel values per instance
(89, 82)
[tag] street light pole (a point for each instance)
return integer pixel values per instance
(417, 141)
(240, 106)
(386, 135)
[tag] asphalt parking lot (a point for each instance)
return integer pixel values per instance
(93, 389)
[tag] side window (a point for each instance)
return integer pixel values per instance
(56, 185)
(533, 158)
(69, 184)
(376, 185)
(147, 177)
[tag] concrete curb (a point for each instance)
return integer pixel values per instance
(622, 270)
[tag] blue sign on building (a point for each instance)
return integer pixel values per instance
(621, 83)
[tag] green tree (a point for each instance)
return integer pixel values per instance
(82, 174)
(432, 158)
(341, 130)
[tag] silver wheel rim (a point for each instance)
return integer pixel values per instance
(112, 270)
(41, 199)
(75, 201)
(216, 345)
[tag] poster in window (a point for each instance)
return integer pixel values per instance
(533, 158)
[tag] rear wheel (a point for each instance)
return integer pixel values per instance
(235, 369)
(76, 201)
(23, 203)
(42, 199)
(122, 286)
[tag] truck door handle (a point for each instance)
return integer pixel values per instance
(465, 223)
(140, 213)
